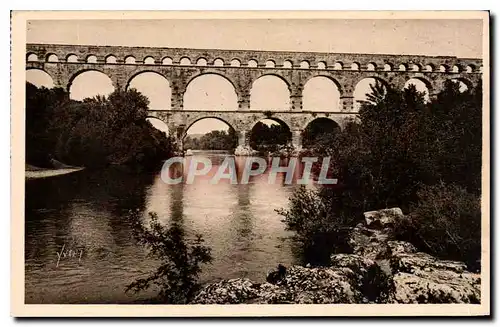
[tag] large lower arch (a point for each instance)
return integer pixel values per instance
(319, 129)
(159, 124)
(89, 83)
(270, 92)
(321, 94)
(39, 78)
(210, 91)
(269, 134)
(363, 90)
(210, 133)
(155, 87)
(464, 84)
(421, 85)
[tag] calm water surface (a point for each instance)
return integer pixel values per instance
(85, 215)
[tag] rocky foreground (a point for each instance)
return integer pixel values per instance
(380, 270)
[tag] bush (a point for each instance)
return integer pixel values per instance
(319, 227)
(445, 222)
(177, 275)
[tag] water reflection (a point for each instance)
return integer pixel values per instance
(88, 211)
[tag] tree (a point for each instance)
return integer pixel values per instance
(180, 261)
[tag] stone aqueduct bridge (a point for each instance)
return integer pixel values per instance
(242, 67)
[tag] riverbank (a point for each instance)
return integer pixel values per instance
(380, 270)
(33, 172)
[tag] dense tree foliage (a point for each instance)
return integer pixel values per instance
(95, 132)
(396, 149)
(214, 140)
(268, 138)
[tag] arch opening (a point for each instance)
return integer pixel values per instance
(130, 60)
(149, 60)
(429, 68)
(166, 61)
(321, 94)
(371, 67)
(235, 63)
(252, 63)
(90, 83)
(270, 135)
(420, 85)
(32, 57)
(321, 65)
(287, 64)
(270, 64)
(269, 92)
(159, 125)
(364, 88)
(201, 62)
(210, 133)
(354, 66)
(463, 84)
(387, 67)
(111, 59)
(153, 86)
(320, 130)
(210, 92)
(338, 66)
(91, 59)
(52, 58)
(218, 62)
(185, 61)
(304, 64)
(72, 58)
(39, 78)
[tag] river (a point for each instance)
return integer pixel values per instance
(79, 244)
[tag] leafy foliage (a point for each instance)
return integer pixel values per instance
(269, 138)
(446, 221)
(180, 261)
(95, 132)
(214, 140)
(399, 145)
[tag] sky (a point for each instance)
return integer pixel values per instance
(461, 38)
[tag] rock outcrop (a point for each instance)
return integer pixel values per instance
(380, 270)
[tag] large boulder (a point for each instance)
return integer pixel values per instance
(421, 278)
(382, 218)
(232, 291)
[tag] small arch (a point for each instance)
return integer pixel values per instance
(185, 61)
(235, 63)
(470, 69)
(402, 68)
(32, 57)
(371, 67)
(338, 66)
(429, 68)
(72, 58)
(130, 60)
(304, 64)
(387, 67)
(252, 63)
(415, 68)
(52, 58)
(218, 62)
(166, 61)
(91, 59)
(443, 68)
(149, 60)
(270, 64)
(455, 69)
(110, 59)
(321, 65)
(287, 64)
(201, 62)
(480, 69)
(355, 66)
